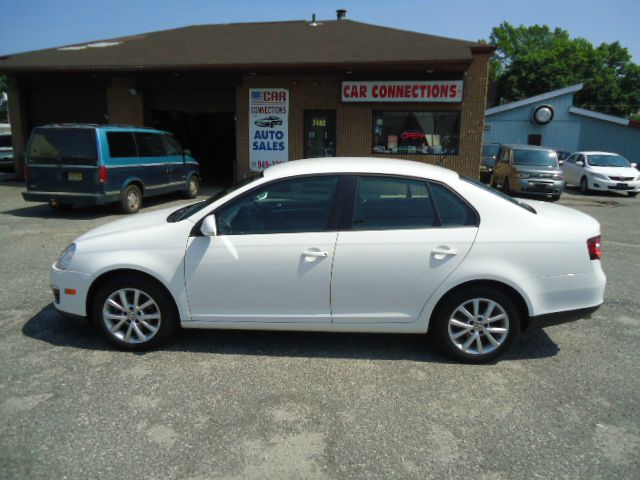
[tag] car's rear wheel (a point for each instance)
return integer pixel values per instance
(56, 205)
(131, 199)
(476, 325)
(134, 313)
(584, 185)
(193, 187)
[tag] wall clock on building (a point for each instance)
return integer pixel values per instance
(542, 114)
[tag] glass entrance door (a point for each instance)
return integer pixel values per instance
(319, 133)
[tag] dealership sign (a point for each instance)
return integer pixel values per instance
(268, 127)
(449, 91)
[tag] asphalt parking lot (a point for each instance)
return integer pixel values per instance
(564, 403)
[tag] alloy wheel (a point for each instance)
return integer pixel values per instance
(478, 326)
(131, 315)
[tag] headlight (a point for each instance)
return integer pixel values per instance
(65, 257)
(522, 175)
(557, 176)
(599, 175)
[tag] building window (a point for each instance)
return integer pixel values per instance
(419, 133)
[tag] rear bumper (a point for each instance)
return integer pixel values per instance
(558, 318)
(71, 198)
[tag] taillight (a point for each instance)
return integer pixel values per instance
(593, 245)
(102, 174)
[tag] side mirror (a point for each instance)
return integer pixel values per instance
(580, 163)
(208, 227)
(560, 162)
(186, 152)
(634, 165)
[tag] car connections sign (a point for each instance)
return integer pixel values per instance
(442, 91)
(268, 127)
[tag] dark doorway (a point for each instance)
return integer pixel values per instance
(211, 137)
(319, 133)
(535, 140)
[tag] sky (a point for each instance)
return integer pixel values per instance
(38, 24)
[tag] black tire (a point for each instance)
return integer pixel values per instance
(584, 186)
(441, 331)
(193, 186)
(632, 194)
(555, 198)
(493, 182)
(505, 186)
(166, 324)
(131, 199)
(56, 205)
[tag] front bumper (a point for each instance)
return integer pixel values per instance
(70, 291)
(540, 186)
(613, 185)
(71, 198)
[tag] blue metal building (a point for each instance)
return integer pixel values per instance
(551, 120)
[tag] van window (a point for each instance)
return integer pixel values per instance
(173, 147)
(121, 144)
(150, 144)
(72, 146)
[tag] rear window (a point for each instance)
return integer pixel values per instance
(150, 144)
(121, 144)
(75, 146)
(5, 140)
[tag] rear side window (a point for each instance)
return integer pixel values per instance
(392, 203)
(121, 144)
(72, 146)
(452, 210)
(150, 144)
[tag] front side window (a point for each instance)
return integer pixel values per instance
(392, 203)
(173, 147)
(419, 133)
(150, 144)
(290, 206)
(121, 144)
(71, 146)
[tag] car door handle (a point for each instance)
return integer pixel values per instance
(440, 253)
(315, 253)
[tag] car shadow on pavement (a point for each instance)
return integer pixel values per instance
(50, 327)
(42, 210)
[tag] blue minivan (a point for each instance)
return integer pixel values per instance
(83, 164)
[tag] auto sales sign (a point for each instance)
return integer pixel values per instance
(268, 127)
(413, 91)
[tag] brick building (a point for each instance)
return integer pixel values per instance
(243, 96)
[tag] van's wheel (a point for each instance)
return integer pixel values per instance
(476, 325)
(584, 185)
(56, 205)
(131, 199)
(193, 187)
(134, 313)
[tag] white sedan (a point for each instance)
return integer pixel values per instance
(601, 171)
(340, 245)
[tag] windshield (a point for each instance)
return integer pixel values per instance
(607, 161)
(546, 158)
(490, 150)
(70, 146)
(498, 193)
(187, 211)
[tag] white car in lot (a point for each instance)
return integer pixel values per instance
(601, 171)
(340, 245)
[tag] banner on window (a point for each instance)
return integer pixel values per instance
(447, 91)
(268, 127)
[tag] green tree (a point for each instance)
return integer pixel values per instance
(536, 59)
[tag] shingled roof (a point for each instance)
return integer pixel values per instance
(245, 46)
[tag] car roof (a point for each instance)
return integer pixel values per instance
(102, 127)
(597, 153)
(373, 165)
(528, 147)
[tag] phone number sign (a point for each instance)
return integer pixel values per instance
(268, 127)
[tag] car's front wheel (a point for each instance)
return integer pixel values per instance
(193, 187)
(632, 194)
(134, 313)
(584, 185)
(476, 325)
